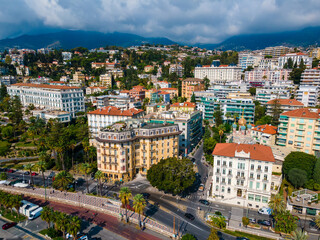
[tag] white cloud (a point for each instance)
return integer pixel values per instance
(180, 20)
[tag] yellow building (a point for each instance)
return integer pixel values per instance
(127, 148)
(300, 130)
(106, 80)
(187, 107)
(78, 77)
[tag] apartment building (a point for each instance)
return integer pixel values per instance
(218, 75)
(273, 76)
(265, 134)
(269, 63)
(163, 84)
(284, 105)
(267, 93)
(78, 77)
(92, 90)
(8, 80)
(308, 95)
(172, 91)
(187, 107)
(106, 80)
(190, 125)
(190, 85)
(299, 130)
(106, 116)
(276, 52)
(311, 77)
(121, 101)
(128, 148)
(49, 97)
(242, 175)
(249, 60)
(296, 58)
(176, 68)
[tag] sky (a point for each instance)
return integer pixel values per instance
(188, 21)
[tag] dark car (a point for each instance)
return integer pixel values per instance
(189, 216)
(51, 175)
(8, 225)
(264, 222)
(205, 202)
(242, 238)
(26, 173)
(145, 195)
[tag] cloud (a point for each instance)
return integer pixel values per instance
(190, 21)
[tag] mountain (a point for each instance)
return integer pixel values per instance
(71, 39)
(304, 38)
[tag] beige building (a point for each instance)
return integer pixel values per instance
(187, 107)
(264, 134)
(148, 68)
(191, 85)
(127, 148)
(106, 80)
(79, 77)
(284, 105)
(299, 130)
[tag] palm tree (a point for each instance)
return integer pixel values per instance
(47, 215)
(63, 222)
(85, 144)
(17, 203)
(72, 145)
(62, 180)
(74, 226)
(99, 176)
(298, 234)
(125, 195)
(139, 203)
(42, 165)
(317, 221)
(55, 219)
(277, 203)
(29, 168)
(85, 168)
(221, 131)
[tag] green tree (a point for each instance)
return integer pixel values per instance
(8, 60)
(3, 176)
(316, 172)
(206, 83)
(217, 116)
(264, 120)
(275, 112)
(47, 215)
(29, 167)
(125, 195)
(4, 148)
(290, 63)
(41, 165)
(285, 222)
(74, 226)
(299, 234)
(297, 177)
(317, 221)
(62, 221)
(277, 203)
(218, 221)
(209, 144)
(139, 203)
(62, 180)
(252, 91)
(260, 112)
(213, 235)
(172, 175)
(86, 169)
(245, 221)
(99, 176)
(193, 98)
(3, 92)
(299, 160)
(188, 236)
(16, 203)
(221, 131)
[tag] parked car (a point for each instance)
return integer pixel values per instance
(252, 220)
(189, 216)
(201, 188)
(10, 171)
(265, 211)
(51, 175)
(34, 174)
(8, 225)
(205, 202)
(264, 222)
(25, 173)
(242, 238)
(145, 195)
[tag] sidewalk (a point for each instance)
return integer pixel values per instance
(98, 204)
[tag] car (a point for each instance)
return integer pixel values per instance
(26, 173)
(252, 220)
(10, 171)
(189, 216)
(34, 174)
(264, 222)
(242, 238)
(51, 175)
(8, 225)
(145, 195)
(265, 211)
(201, 187)
(205, 202)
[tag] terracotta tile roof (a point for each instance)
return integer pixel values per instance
(165, 89)
(124, 91)
(257, 151)
(223, 66)
(266, 129)
(291, 102)
(192, 80)
(163, 92)
(185, 104)
(206, 66)
(98, 87)
(114, 111)
(303, 113)
(33, 85)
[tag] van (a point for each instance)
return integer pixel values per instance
(265, 211)
(36, 213)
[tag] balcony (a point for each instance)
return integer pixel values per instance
(298, 145)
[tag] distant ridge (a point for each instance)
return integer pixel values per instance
(70, 39)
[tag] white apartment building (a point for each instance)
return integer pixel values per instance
(267, 93)
(276, 51)
(283, 104)
(308, 95)
(273, 76)
(106, 80)
(249, 59)
(50, 97)
(221, 74)
(311, 77)
(163, 84)
(242, 175)
(107, 116)
(176, 68)
(269, 63)
(296, 58)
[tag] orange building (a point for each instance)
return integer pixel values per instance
(191, 85)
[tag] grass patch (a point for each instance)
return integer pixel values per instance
(247, 235)
(12, 217)
(52, 233)
(25, 144)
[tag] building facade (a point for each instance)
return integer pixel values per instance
(125, 149)
(265, 134)
(308, 95)
(282, 105)
(296, 58)
(242, 175)
(220, 74)
(190, 85)
(310, 77)
(50, 97)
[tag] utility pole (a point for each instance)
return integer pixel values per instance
(174, 223)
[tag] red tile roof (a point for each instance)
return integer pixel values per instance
(192, 80)
(291, 102)
(163, 92)
(165, 89)
(266, 129)
(223, 66)
(257, 151)
(303, 113)
(185, 104)
(33, 85)
(114, 111)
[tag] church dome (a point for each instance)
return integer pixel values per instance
(242, 122)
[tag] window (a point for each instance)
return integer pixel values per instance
(251, 175)
(309, 127)
(250, 197)
(264, 187)
(230, 164)
(292, 125)
(229, 190)
(259, 168)
(250, 184)
(292, 131)
(230, 172)
(258, 176)
(266, 169)
(223, 171)
(218, 170)
(257, 198)
(223, 180)
(229, 181)
(217, 179)
(265, 177)
(309, 133)
(218, 162)
(224, 163)
(222, 188)
(257, 185)
(308, 139)
(217, 188)
(264, 199)
(252, 167)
